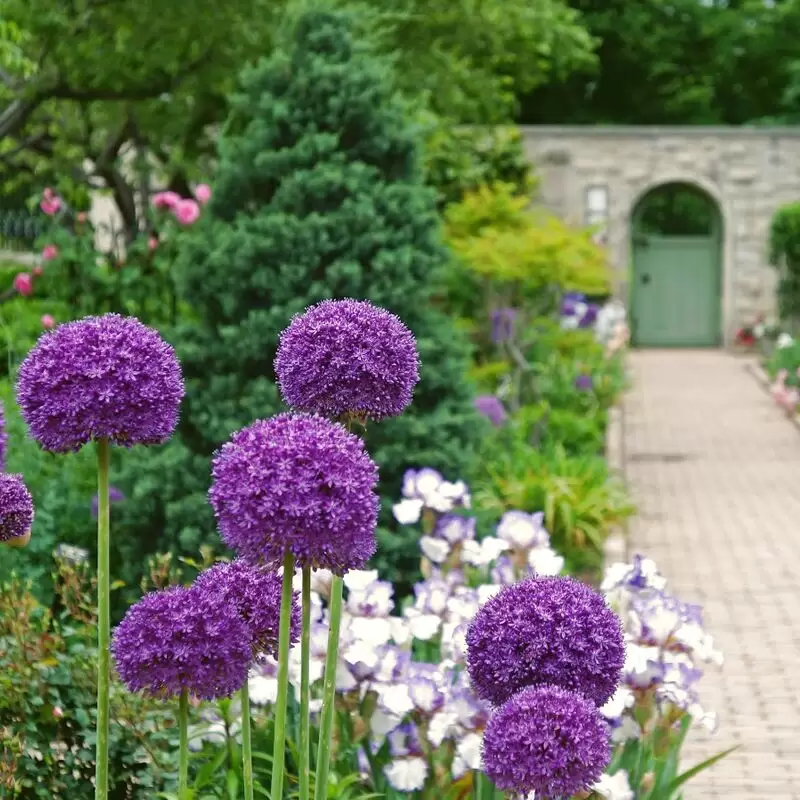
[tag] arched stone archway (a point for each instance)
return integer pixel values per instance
(749, 172)
(676, 255)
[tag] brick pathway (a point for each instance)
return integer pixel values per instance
(715, 471)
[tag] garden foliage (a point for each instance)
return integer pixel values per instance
(319, 193)
(784, 254)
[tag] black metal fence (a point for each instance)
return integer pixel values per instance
(19, 229)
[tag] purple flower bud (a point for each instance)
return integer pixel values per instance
(503, 320)
(584, 383)
(491, 408)
(570, 303)
(256, 595)
(548, 741)
(114, 496)
(347, 357)
(16, 508)
(545, 631)
(107, 377)
(299, 483)
(182, 639)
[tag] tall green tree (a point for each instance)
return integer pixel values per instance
(318, 194)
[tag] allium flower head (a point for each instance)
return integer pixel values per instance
(347, 357)
(100, 377)
(181, 638)
(545, 631)
(548, 741)
(255, 593)
(300, 483)
(16, 508)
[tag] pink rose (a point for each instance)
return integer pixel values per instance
(51, 205)
(49, 252)
(203, 193)
(166, 200)
(48, 322)
(152, 243)
(187, 212)
(23, 283)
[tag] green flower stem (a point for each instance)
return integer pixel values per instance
(278, 754)
(247, 744)
(103, 619)
(305, 689)
(329, 695)
(183, 751)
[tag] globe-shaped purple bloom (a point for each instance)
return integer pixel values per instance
(3, 439)
(490, 407)
(545, 631)
(297, 483)
(256, 595)
(16, 507)
(347, 357)
(546, 740)
(182, 639)
(108, 377)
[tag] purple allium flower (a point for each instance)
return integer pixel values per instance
(503, 324)
(491, 408)
(546, 740)
(299, 483)
(114, 495)
(545, 631)
(100, 377)
(347, 357)
(256, 595)
(3, 439)
(584, 383)
(181, 638)
(16, 507)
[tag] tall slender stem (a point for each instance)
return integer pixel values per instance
(329, 695)
(247, 745)
(103, 619)
(183, 751)
(278, 754)
(305, 689)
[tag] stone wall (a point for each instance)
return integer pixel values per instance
(750, 173)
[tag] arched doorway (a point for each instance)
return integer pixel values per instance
(676, 246)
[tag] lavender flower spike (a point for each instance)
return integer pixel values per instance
(299, 483)
(108, 377)
(183, 639)
(256, 595)
(545, 631)
(347, 357)
(548, 741)
(3, 439)
(16, 510)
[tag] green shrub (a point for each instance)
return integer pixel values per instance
(784, 254)
(461, 160)
(318, 194)
(785, 358)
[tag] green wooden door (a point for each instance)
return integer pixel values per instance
(676, 293)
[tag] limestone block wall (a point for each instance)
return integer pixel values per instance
(749, 172)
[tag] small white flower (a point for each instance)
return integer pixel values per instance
(395, 699)
(545, 561)
(438, 502)
(618, 703)
(407, 774)
(422, 626)
(408, 512)
(522, 531)
(262, 689)
(487, 591)
(441, 726)
(321, 581)
(614, 787)
(427, 484)
(627, 729)
(357, 580)
(382, 722)
(458, 492)
(436, 550)
(401, 632)
(481, 554)
(469, 749)
(373, 631)
(784, 340)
